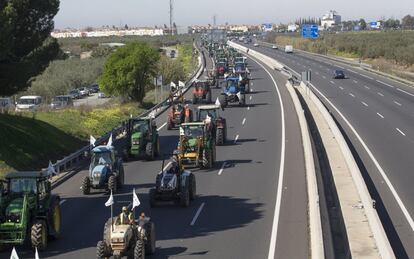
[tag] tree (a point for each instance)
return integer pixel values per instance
(26, 47)
(362, 24)
(171, 70)
(129, 70)
(408, 22)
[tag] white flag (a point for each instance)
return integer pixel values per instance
(110, 201)
(181, 84)
(109, 141)
(217, 102)
(172, 84)
(240, 78)
(36, 254)
(14, 254)
(51, 169)
(135, 200)
(92, 140)
(208, 119)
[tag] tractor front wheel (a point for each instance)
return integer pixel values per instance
(101, 250)
(185, 198)
(39, 235)
(193, 187)
(207, 159)
(220, 136)
(150, 244)
(112, 184)
(149, 151)
(86, 185)
(56, 218)
(139, 250)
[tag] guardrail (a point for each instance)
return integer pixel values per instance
(70, 161)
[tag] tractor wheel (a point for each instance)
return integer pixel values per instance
(101, 250)
(157, 151)
(86, 185)
(220, 136)
(223, 101)
(242, 101)
(39, 235)
(207, 159)
(56, 219)
(139, 250)
(208, 97)
(169, 125)
(107, 231)
(121, 177)
(194, 99)
(185, 198)
(150, 244)
(112, 184)
(193, 187)
(152, 198)
(149, 152)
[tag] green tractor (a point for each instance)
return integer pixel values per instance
(142, 137)
(29, 212)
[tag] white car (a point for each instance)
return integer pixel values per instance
(256, 44)
(274, 47)
(28, 103)
(101, 95)
(288, 49)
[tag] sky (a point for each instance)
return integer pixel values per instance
(95, 13)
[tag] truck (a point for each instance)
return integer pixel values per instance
(288, 49)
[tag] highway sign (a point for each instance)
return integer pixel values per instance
(310, 31)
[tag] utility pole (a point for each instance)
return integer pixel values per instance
(171, 17)
(214, 21)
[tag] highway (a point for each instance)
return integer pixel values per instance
(253, 204)
(380, 113)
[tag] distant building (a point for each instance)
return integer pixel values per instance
(292, 27)
(375, 25)
(104, 32)
(330, 19)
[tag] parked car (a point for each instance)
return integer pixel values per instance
(172, 53)
(28, 103)
(61, 101)
(256, 44)
(6, 103)
(83, 91)
(75, 94)
(339, 74)
(93, 89)
(274, 47)
(101, 95)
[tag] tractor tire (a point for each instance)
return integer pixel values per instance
(185, 198)
(38, 235)
(152, 198)
(220, 136)
(194, 101)
(149, 151)
(207, 159)
(86, 185)
(242, 101)
(151, 238)
(55, 217)
(112, 184)
(101, 250)
(157, 145)
(223, 101)
(139, 250)
(208, 97)
(193, 187)
(107, 231)
(170, 125)
(121, 176)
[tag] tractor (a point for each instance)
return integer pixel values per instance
(179, 114)
(196, 146)
(241, 71)
(106, 171)
(222, 69)
(212, 78)
(29, 212)
(219, 124)
(142, 137)
(233, 92)
(173, 184)
(134, 240)
(201, 92)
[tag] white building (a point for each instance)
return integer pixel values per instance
(292, 27)
(330, 19)
(106, 33)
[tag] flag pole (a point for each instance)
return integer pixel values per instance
(112, 213)
(133, 209)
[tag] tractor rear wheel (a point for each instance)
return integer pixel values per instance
(86, 185)
(185, 198)
(223, 101)
(149, 151)
(38, 235)
(153, 199)
(220, 136)
(139, 250)
(193, 187)
(242, 101)
(112, 184)
(56, 218)
(101, 250)
(121, 177)
(150, 244)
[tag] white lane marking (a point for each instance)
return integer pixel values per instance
(355, 81)
(276, 215)
(405, 92)
(367, 87)
(244, 121)
(324, 77)
(352, 95)
(341, 88)
(397, 103)
(61, 202)
(340, 66)
(248, 107)
(197, 214)
(364, 103)
(375, 161)
(367, 76)
(379, 114)
(320, 66)
(332, 82)
(222, 168)
(379, 81)
(250, 98)
(380, 94)
(353, 71)
(236, 138)
(251, 83)
(162, 126)
(400, 131)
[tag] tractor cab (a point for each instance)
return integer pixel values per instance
(201, 92)
(218, 123)
(142, 137)
(232, 85)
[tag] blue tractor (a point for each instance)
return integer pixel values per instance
(233, 92)
(106, 171)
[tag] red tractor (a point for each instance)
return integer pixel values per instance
(202, 92)
(179, 114)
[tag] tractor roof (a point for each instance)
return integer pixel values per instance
(102, 149)
(209, 107)
(26, 174)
